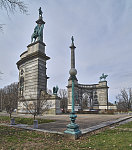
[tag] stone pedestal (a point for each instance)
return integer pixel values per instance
(54, 102)
(73, 128)
(12, 121)
(35, 124)
(102, 93)
(32, 72)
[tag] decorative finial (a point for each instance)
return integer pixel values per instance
(40, 13)
(72, 40)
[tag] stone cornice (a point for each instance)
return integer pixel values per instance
(90, 88)
(23, 53)
(99, 87)
(37, 54)
(36, 43)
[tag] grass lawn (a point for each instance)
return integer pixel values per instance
(20, 120)
(111, 139)
(127, 125)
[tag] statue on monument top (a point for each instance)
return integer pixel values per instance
(72, 44)
(40, 13)
(104, 76)
(38, 30)
(72, 40)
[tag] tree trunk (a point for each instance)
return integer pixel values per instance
(34, 117)
(10, 115)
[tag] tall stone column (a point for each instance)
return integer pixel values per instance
(72, 53)
(102, 93)
(72, 47)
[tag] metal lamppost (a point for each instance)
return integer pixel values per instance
(73, 128)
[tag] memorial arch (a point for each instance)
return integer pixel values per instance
(89, 97)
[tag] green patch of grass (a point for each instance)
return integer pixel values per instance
(4, 118)
(29, 121)
(10, 136)
(45, 121)
(111, 140)
(24, 139)
(127, 125)
(15, 138)
(20, 120)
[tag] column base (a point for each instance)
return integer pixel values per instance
(73, 129)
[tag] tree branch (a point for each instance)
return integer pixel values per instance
(11, 5)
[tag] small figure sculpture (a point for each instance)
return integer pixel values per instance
(103, 77)
(72, 40)
(40, 12)
(55, 90)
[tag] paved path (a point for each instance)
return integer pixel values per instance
(84, 121)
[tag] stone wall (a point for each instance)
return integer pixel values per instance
(96, 93)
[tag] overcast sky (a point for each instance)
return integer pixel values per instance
(102, 30)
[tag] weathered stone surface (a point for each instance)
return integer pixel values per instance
(34, 72)
(35, 124)
(35, 78)
(98, 94)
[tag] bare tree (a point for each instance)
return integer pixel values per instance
(12, 6)
(124, 100)
(39, 106)
(62, 93)
(43, 103)
(10, 97)
(1, 100)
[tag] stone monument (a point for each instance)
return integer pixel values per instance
(87, 96)
(32, 69)
(73, 128)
